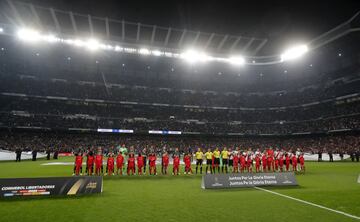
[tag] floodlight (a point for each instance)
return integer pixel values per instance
(144, 51)
(130, 50)
(219, 59)
(78, 42)
(168, 54)
(294, 53)
(109, 47)
(28, 35)
(50, 38)
(69, 41)
(106, 47)
(157, 53)
(193, 56)
(92, 44)
(237, 60)
(118, 48)
(1, 29)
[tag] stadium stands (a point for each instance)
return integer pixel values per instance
(68, 142)
(62, 89)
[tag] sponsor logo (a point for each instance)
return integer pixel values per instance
(216, 182)
(286, 180)
(91, 185)
(50, 186)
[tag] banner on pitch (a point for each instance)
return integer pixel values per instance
(50, 186)
(220, 181)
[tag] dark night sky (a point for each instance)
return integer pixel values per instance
(277, 20)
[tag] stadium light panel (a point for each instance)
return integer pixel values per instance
(92, 44)
(130, 50)
(69, 41)
(29, 35)
(106, 47)
(294, 53)
(118, 48)
(168, 54)
(144, 51)
(51, 38)
(157, 53)
(78, 42)
(237, 60)
(193, 56)
(1, 29)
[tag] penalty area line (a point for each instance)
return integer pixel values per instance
(309, 203)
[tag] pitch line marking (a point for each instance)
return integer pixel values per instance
(309, 203)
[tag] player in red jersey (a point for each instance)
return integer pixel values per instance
(281, 161)
(276, 159)
(78, 164)
(164, 163)
(90, 163)
(270, 161)
(187, 161)
(294, 162)
(287, 161)
(152, 164)
(131, 164)
(242, 162)
(140, 163)
(176, 164)
(110, 164)
(249, 162)
(264, 161)
(302, 162)
(119, 163)
(98, 163)
(257, 163)
(236, 162)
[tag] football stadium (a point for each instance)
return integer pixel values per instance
(179, 110)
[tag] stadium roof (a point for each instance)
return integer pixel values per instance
(66, 23)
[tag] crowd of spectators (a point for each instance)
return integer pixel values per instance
(60, 122)
(47, 113)
(144, 94)
(67, 142)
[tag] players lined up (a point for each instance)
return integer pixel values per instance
(248, 161)
(229, 161)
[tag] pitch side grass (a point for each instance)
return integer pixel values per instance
(180, 198)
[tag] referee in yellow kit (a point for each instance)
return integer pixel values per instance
(225, 160)
(199, 160)
(209, 157)
(216, 154)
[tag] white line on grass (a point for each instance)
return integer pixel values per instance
(309, 203)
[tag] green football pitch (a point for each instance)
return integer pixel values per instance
(180, 198)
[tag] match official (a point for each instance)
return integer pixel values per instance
(209, 156)
(225, 160)
(216, 154)
(199, 160)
